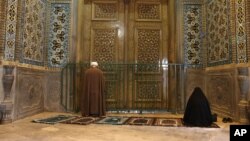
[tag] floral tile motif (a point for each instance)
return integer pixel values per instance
(240, 31)
(192, 34)
(11, 23)
(218, 33)
(59, 34)
(34, 32)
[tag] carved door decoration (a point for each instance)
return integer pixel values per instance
(145, 36)
(128, 38)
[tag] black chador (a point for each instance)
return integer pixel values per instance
(198, 111)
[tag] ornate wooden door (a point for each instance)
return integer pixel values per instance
(129, 40)
(147, 48)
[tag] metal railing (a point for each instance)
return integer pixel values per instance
(129, 87)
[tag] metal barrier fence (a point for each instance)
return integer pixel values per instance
(129, 87)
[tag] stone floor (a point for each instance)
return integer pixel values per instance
(25, 130)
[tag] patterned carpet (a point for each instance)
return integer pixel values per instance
(81, 120)
(54, 119)
(113, 120)
(117, 120)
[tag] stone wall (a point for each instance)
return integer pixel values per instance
(222, 91)
(30, 90)
(36, 91)
(25, 91)
(31, 41)
(52, 95)
(194, 78)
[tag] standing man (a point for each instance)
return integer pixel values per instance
(93, 99)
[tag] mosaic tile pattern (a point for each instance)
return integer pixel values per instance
(34, 32)
(192, 34)
(218, 33)
(59, 34)
(11, 30)
(240, 31)
(3, 11)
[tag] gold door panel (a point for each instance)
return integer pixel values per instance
(128, 38)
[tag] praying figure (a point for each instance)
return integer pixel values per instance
(197, 111)
(93, 99)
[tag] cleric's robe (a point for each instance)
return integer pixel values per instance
(197, 112)
(93, 100)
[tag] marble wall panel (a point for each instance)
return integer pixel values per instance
(222, 92)
(1, 86)
(52, 97)
(194, 78)
(30, 92)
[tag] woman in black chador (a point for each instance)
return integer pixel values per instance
(198, 111)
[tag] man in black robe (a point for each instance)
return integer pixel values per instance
(93, 100)
(198, 111)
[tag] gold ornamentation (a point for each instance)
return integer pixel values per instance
(148, 11)
(148, 90)
(104, 45)
(148, 46)
(105, 10)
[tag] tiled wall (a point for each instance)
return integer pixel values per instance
(218, 35)
(59, 33)
(248, 26)
(37, 32)
(241, 32)
(3, 4)
(192, 34)
(10, 32)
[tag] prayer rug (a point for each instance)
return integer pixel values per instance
(117, 120)
(213, 125)
(169, 122)
(140, 121)
(53, 120)
(113, 120)
(81, 120)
